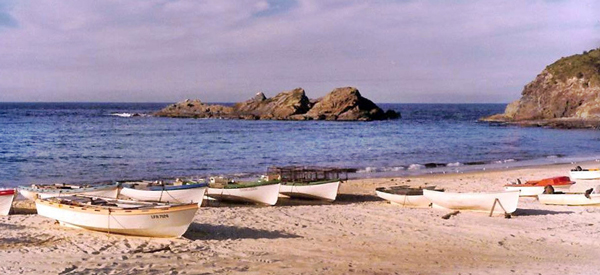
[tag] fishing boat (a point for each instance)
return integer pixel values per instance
(6, 198)
(178, 192)
(321, 190)
(125, 217)
(61, 189)
(405, 195)
(536, 187)
(590, 197)
(585, 174)
(260, 192)
(482, 202)
(320, 183)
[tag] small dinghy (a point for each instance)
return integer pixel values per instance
(260, 192)
(584, 174)
(320, 190)
(482, 202)
(61, 189)
(6, 198)
(119, 216)
(177, 192)
(534, 188)
(405, 195)
(590, 197)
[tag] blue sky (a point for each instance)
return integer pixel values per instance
(226, 50)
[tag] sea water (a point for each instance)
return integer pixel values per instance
(92, 142)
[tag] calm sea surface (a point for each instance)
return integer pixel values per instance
(90, 142)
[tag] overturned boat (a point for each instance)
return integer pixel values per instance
(261, 192)
(159, 191)
(405, 195)
(43, 191)
(119, 216)
(6, 198)
(501, 202)
(536, 187)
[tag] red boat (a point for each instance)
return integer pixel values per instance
(536, 187)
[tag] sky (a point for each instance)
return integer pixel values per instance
(228, 50)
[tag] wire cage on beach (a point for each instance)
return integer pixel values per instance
(308, 173)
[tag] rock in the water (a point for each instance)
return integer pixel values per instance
(282, 106)
(565, 94)
(345, 104)
(340, 104)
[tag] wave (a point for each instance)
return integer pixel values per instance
(128, 114)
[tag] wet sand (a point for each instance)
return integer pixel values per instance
(357, 234)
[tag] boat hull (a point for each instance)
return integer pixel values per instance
(532, 191)
(417, 201)
(262, 194)
(569, 199)
(585, 175)
(6, 198)
(323, 191)
(191, 195)
(108, 191)
(165, 222)
(479, 202)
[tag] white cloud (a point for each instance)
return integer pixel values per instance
(227, 50)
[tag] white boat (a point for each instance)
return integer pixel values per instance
(405, 196)
(6, 198)
(60, 189)
(265, 193)
(325, 190)
(482, 202)
(536, 187)
(119, 216)
(585, 174)
(593, 198)
(146, 191)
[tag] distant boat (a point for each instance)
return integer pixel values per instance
(119, 216)
(534, 188)
(482, 202)
(405, 196)
(188, 192)
(591, 197)
(322, 190)
(6, 198)
(585, 174)
(261, 192)
(61, 189)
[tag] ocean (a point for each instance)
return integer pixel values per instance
(93, 142)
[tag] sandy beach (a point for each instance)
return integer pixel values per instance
(357, 234)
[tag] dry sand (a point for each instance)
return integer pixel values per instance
(359, 233)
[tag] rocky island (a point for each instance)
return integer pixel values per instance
(566, 94)
(343, 104)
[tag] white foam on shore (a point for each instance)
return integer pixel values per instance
(416, 166)
(454, 164)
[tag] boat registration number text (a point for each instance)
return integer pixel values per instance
(160, 216)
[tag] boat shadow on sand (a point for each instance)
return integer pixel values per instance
(198, 231)
(538, 212)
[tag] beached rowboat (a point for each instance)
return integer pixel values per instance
(60, 189)
(482, 202)
(323, 190)
(258, 192)
(6, 198)
(119, 216)
(405, 196)
(534, 188)
(585, 174)
(592, 197)
(145, 191)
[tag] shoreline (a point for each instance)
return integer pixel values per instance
(358, 233)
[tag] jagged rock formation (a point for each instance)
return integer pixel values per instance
(565, 94)
(341, 104)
